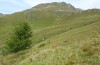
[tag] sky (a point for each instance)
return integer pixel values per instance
(11, 6)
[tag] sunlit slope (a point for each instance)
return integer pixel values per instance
(77, 46)
(59, 37)
(63, 23)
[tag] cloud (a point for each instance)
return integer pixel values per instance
(11, 6)
(84, 4)
(16, 2)
(33, 3)
(91, 3)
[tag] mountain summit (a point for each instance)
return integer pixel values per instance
(54, 9)
(56, 6)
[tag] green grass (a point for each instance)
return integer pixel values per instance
(69, 40)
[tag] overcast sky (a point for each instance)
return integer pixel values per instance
(11, 6)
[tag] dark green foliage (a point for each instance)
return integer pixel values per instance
(20, 39)
(42, 45)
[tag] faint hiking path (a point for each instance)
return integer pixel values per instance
(49, 28)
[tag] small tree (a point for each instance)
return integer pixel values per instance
(20, 39)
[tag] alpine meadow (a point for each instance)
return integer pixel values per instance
(54, 33)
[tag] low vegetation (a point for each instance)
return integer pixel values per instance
(20, 38)
(60, 39)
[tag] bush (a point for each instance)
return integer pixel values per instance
(20, 39)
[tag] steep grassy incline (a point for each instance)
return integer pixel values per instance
(72, 41)
(79, 45)
(42, 20)
(62, 35)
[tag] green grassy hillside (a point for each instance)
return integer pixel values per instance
(70, 38)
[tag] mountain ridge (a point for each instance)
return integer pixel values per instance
(61, 6)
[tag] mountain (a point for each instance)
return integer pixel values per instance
(1, 14)
(53, 10)
(72, 35)
(55, 6)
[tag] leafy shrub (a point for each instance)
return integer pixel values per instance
(20, 39)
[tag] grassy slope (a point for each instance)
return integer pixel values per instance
(67, 41)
